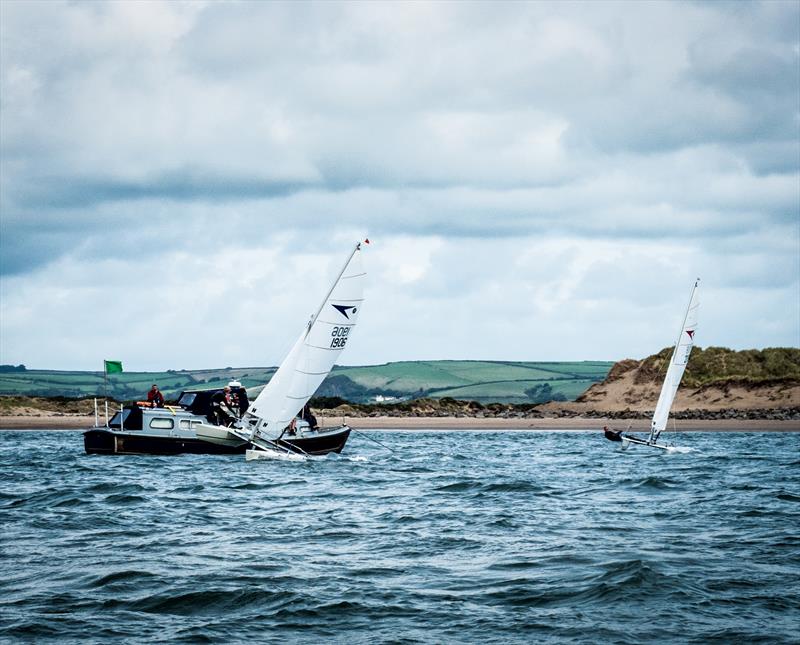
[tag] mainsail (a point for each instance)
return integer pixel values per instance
(677, 365)
(313, 355)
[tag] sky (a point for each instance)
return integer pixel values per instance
(180, 182)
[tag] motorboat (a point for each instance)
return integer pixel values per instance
(141, 429)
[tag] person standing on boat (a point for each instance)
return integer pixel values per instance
(216, 411)
(244, 402)
(308, 417)
(155, 398)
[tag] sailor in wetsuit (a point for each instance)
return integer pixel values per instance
(221, 412)
(242, 400)
(612, 435)
(308, 417)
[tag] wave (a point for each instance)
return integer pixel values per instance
(518, 486)
(211, 601)
(655, 483)
(121, 576)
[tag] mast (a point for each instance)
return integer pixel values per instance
(677, 366)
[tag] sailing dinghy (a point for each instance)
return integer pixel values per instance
(677, 366)
(270, 425)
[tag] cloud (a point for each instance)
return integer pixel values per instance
(528, 161)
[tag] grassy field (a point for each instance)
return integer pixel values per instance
(484, 381)
(720, 365)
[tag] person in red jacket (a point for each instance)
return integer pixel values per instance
(155, 398)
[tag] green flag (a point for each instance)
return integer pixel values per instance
(113, 367)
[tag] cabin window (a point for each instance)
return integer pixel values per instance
(185, 424)
(114, 423)
(162, 424)
(187, 399)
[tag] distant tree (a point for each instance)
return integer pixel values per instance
(544, 393)
(12, 368)
(327, 402)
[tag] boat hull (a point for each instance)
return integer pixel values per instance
(629, 440)
(102, 441)
(106, 441)
(320, 443)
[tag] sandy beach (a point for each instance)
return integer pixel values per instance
(77, 422)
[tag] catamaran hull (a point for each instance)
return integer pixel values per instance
(113, 442)
(628, 441)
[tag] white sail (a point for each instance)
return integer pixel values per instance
(677, 365)
(313, 355)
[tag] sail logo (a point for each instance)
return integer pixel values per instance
(345, 310)
(691, 333)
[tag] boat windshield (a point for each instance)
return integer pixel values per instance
(187, 398)
(115, 420)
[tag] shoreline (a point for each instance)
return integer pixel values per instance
(83, 422)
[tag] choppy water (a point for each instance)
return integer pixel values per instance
(454, 537)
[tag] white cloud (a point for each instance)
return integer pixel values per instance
(540, 180)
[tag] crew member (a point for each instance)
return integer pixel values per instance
(612, 435)
(228, 396)
(155, 398)
(220, 410)
(244, 402)
(309, 418)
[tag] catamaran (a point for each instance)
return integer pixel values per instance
(677, 366)
(270, 426)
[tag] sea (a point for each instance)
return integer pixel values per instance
(406, 537)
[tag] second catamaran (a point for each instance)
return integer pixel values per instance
(677, 366)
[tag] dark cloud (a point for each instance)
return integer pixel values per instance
(183, 185)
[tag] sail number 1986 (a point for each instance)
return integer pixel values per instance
(339, 336)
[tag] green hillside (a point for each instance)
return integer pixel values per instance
(484, 381)
(127, 385)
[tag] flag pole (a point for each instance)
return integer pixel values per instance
(105, 389)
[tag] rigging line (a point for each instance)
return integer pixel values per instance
(293, 448)
(285, 446)
(364, 434)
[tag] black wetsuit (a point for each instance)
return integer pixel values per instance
(309, 418)
(244, 403)
(613, 435)
(218, 415)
